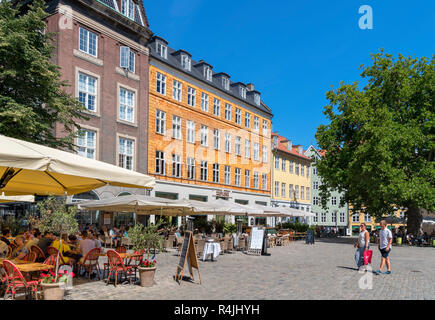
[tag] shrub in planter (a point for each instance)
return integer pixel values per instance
(147, 270)
(54, 287)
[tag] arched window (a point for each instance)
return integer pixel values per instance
(90, 195)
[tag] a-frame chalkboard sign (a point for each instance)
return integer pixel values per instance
(188, 254)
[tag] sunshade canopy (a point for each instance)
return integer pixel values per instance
(29, 168)
(4, 199)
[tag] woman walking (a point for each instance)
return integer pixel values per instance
(362, 245)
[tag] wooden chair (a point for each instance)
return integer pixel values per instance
(107, 240)
(279, 241)
(230, 244)
(242, 244)
(40, 256)
(30, 257)
(116, 266)
(169, 243)
(16, 280)
(135, 261)
(200, 247)
(90, 262)
(51, 251)
(51, 260)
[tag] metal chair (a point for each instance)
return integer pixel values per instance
(116, 265)
(90, 262)
(16, 280)
(40, 256)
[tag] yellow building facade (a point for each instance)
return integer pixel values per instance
(357, 218)
(290, 174)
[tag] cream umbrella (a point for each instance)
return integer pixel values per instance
(4, 199)
(29, 168)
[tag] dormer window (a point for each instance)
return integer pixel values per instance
(257, 99)
(162, 50)
(127, 8)
(275, 142)
(185, 62)
(242, 91)
(208, 73)
(226, 83)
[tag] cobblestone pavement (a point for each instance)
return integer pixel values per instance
(298, 271)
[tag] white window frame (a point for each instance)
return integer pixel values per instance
(124, 157)
(216, 107)
(242, 91)
(204, 101)
(87, 45)
(160, 122)
(227, 175)
(85, 144)
(127, 104)
(227, 111)
(129, 9)
(87, 92)
(238, 146)
(176, 165)
(204, 135)
(247, 120)
(127, 59)
(227, 143)
(264, 181)
(238, 177)
(208, 74)
(247, 179)
(162, 50)
(190, 168)
(177, 90)
(190, 131)
(176, 127)
(265, 129)
(216, 173)
(216, 139)
(265, 154)
(191, 96)
(204, 171)
(160, 162)
(256, 180)
(256, 124)
(238, 118)
(247, 149)
(161, 83)
(186, 62)
(283, 190)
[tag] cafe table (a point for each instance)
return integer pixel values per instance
(28, 266)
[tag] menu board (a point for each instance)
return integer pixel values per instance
(187, 254)
(257, 237)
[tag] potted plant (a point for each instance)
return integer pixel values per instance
(54, 287)
(147, 239)
(58, 218)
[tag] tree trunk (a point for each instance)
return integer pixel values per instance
(415, 218)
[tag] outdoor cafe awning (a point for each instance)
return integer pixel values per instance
(28, 168)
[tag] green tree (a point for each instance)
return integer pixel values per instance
(32, 95)
(380, 139)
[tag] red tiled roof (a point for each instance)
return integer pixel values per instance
(283, 148)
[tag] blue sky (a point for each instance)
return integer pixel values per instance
(293, 51)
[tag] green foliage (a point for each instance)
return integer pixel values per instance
(297, 226)
(381, 139)
(57, 217)
(218, 226)
(230, 228)
(32, 95)
(14, 224)
(203, 225)
(146, 237)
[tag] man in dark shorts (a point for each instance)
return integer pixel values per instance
(385, 241)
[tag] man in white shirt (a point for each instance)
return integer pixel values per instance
(385, 241)
(86, 244)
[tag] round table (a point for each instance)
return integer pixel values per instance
(213, 249)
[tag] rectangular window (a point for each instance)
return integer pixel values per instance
(315, 185)
(176, 90)
(191, 168)
(256, 123)
(283, 164)
(88, 91)
(256, 151)
(160, 122)
(283, 188)
(88, 42)
(227, 175)
(367, 218)
(308, 193)
(297, 168)
(125, 153)
(314, 170)
(302, 170)
(238, 146)
(342, 217)
(264, 181)
(247, 120)
(204, 102)
(227, 143)
(276, 189)
(215, 173)
(226, 83)
(216, 139)
(238, 116)
(316, 217)
(190, 127)
(355, 217)
(176, 166)
(247, 179)
(204, 136)
(256, 180)
(302, 193)
(217, 107)
(127, 59)
(323, 216)
(265, 131)
(238, 179)
(291, 166)
(276, 162)
(208, 74)
(160, 162)
(227, 111)
(186, 62)
(127, 8)
(161, 84)
(87, 142)
(204, 171)
(247, 149)
(176, 127)
(308, 171)
(162, 50)
(334, 201)
(242, 92)
(291, 191)
(265, 154)
(126, 105)
(191, 96)
(296, 192)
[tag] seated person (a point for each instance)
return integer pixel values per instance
(28, 236)
(73, 242)
(97, 241)
(85, 245)
(66, 253)
(21, 250)
(114, 234)
(34, 242)
(45, 242)
(4, 250)
(6, 233)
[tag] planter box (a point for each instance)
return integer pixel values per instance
(52, 291)
(146, 276)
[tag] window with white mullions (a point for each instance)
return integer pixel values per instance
(126, 153)
(176, 127)
(88, 91)
(176, 166)
(126, 105)
(176, 90)
(247, 179)
(227, 143)
(264, 181)
(190, 127)
(216, 139)
(204, 136)
(204, 102)
(160, 162)
(127, 8)
(238, 146)
(216, 173)
(204, 171)
(216, 107)
(88, 42)
(191, 96)
(127, 59)
(227, 111)
(238, 177)
(162, 50)
(227, 175)
(161, 83)
(160, 122)
(86, 142)
(191, 168)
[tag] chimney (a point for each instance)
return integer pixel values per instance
(250, 87)
(300, 149)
